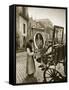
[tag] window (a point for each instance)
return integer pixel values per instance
(24, 28)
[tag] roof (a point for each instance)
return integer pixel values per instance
(46, 23)
(36, 24)
(41, 24)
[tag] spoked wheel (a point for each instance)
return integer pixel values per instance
(52, 75)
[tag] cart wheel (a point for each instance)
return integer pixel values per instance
(52, 75)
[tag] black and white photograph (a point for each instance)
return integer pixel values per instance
(40, 45)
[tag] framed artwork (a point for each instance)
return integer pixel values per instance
(37, 44)
(38, 40)
(59, 34)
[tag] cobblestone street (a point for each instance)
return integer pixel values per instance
(21, 59)
(20, 67)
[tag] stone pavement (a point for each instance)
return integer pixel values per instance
(20, 67)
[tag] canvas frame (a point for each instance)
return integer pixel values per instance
(12, 73)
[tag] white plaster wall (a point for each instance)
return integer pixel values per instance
(21, 22)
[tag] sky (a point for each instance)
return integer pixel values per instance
(56, 16)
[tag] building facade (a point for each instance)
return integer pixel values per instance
(21, 26)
